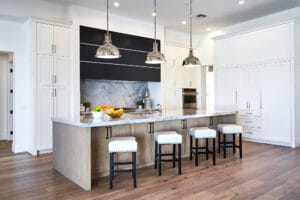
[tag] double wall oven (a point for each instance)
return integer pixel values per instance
(189, 98)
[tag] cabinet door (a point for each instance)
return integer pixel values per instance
(44, 123)
(62, 41)
(45, 70)
(243, 87)
(44, 39)
(276, 103)
(226, 89)
(61, 102)
(254, 91)
(61, 71)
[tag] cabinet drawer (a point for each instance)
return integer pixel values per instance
(251, 132)
(253, 113)
(249, 121)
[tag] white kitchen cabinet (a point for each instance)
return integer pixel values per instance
(265, 81)
(177, 77)
(276, 102)
(52, 67)
(226, 87)
(44, 39)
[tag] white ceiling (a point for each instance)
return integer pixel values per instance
(220, 13)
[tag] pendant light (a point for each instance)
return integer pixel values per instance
(191, 60)
(107, 50)
(155, 57)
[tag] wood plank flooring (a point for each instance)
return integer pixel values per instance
(266, 172)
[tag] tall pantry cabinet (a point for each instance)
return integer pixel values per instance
(51, 66)
(257, 73)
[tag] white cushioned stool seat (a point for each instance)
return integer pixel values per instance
(168, 137)
(230, 128)
(203, 132)
(122, 144)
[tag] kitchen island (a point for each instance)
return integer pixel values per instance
(80, 145)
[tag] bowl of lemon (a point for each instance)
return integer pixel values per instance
(115, 113)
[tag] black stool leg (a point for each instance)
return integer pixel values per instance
(173, 159)
(206, 148)
(214, 151)
(179, 159)
(219, 142)
(241, 145)
(196, 154)
(224, 145)
(155, 156)
(111, 170)
(134, 168)
(159, 159)
(191, 147)
(233, 140)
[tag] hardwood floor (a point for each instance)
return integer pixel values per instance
(266, 172)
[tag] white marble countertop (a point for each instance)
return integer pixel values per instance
(136, 118)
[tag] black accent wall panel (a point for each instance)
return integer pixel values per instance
(131, 66)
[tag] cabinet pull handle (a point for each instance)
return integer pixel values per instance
(260, 99)
(236, 97)
(54, 78)
(249, 132)
(54, 92)
(249, 121)
(53, 48)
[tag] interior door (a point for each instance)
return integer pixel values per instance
(44, 39)
(276, 101)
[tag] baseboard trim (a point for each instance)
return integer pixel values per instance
(268, 142)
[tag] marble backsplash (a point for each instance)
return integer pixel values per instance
(118, 93)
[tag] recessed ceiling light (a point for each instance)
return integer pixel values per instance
(208, 29)
(153, 14)
(241, 2)
(183, 22)
(116, 4)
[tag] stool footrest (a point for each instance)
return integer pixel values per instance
(123, 163)
(123, 171)
(202, 152)
(169, 160)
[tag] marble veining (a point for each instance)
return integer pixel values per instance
(107, 92)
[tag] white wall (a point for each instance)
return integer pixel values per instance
(21, 9)
(3, 96)
(12, 39)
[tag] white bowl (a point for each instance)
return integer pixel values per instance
(97, 115)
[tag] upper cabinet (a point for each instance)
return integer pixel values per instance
(131, 66)
(263, 44)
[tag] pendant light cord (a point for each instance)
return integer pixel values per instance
(107, 18)
(191, 26)
(155, 14)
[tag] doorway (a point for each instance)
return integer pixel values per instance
(6, 101)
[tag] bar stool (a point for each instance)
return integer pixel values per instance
(167, 138)
(122, 145)
(202, 133)
(230, 129)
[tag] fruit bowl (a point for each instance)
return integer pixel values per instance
(115, 113)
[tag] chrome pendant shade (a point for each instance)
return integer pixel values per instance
(107, 50)
(155, 57)
(191, 60)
